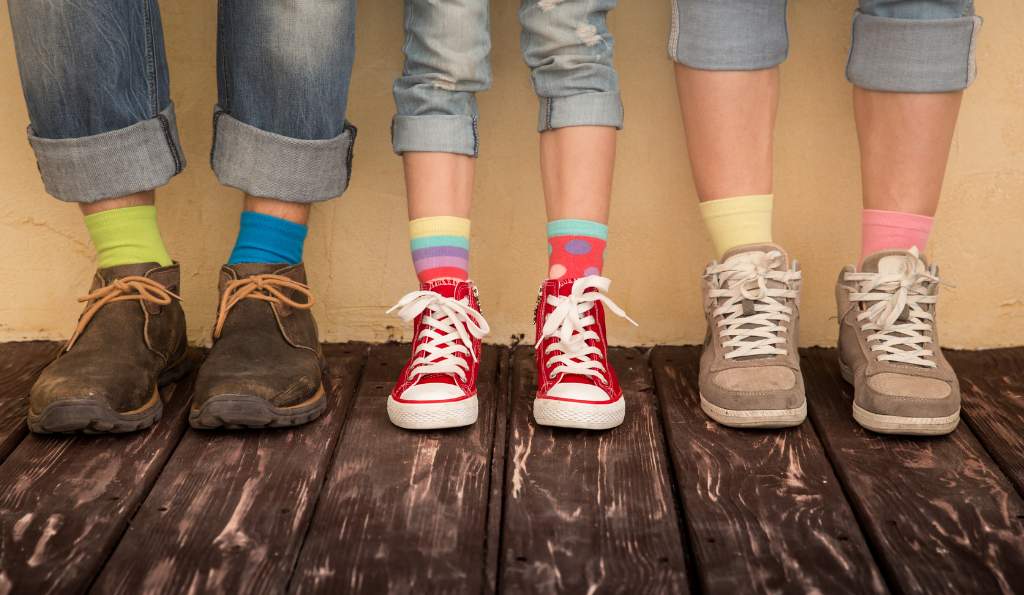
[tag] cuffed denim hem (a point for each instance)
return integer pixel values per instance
(913, 56)
(137, 158)
(717, 35)
(435, 134)
(270, 165)
(585, 109)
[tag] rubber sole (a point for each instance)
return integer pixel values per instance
(95, 416)
(898, 424)
(433, 416)
(584, 416)
(242, 412)
(754, 418)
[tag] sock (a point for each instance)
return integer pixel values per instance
(127, 235)
(269, 239)
(892, 230)
(738, 220)
(440, 248)
(576, 248)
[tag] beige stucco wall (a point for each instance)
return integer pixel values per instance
(358, 251)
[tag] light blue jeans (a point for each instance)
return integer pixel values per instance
(909, 46)
(102, 123)
(565, 43)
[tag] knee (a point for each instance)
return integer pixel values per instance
(565, 34)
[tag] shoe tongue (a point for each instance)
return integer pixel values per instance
(449, 288)
(248, 269)
(752, 252)
(892, 262)
(109, 274)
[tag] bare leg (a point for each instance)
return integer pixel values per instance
(131, 200)
(729, 118)
(904, 146)
(290, 211)
(576, 164)
(438, 184)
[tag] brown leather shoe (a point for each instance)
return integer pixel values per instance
(130, 340)
(265, 368)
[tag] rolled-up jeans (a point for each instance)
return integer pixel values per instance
(565, 43)
(102, 124)
(908, 46)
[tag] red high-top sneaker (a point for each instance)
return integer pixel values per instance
(577, 387)
(437, 388)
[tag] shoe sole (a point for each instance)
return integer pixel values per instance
(898, 424)
(433, 416)
(247, 412)
(95, 416)
(754, 418)
(583, 416)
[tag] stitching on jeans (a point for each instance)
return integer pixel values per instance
(222, 58)
(151, 77)
(476, 138)
(350, 153)
(551, 108)
(166, 125)
(213, 145)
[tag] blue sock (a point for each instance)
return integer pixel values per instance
(263, 238)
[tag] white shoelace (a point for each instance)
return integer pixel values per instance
(572, 323)
(762, 331)
(448, 329)
(886, 297)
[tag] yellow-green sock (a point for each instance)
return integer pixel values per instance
(738, 220)
(127, 236)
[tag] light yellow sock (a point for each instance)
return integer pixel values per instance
(738, 220)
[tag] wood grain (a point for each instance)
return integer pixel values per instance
(403, 511)
(20, 364)
(65, 501)
(992, 386)
(590, 512)
(763, 508)
(939, 514)
(230, 510)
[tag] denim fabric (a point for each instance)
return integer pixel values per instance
(95, 79)
(915, 46)
(565, 43)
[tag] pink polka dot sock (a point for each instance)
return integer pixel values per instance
(892, 230)
(576, 248)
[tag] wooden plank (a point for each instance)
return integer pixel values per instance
(230, 509)
(587, 511)
(403, 511)
(499, 458)
(20, 364)
(65, 501)
(938, 513)
(992, 385)
(764, 511)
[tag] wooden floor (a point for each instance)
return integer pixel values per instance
(667, 503)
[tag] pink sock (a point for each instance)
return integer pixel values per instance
(892, 230)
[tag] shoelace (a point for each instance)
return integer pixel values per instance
(889, 296)
(267, 288)
(762, 331)
(572, 323)
(447, 330)
(131, 287)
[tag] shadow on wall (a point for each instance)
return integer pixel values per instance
(358, 247)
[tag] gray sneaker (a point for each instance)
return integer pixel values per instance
(889, 346)
(750, 369)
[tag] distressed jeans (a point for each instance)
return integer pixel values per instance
(908, 46)
(102, 124)
(565, 43)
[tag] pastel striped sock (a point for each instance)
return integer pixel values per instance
(892, 230)
(738, 221)
(268, 239)
(128, 235)
(440, 248)
(576, 248)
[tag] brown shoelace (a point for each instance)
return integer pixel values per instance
(132, 287)
(260, 287)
